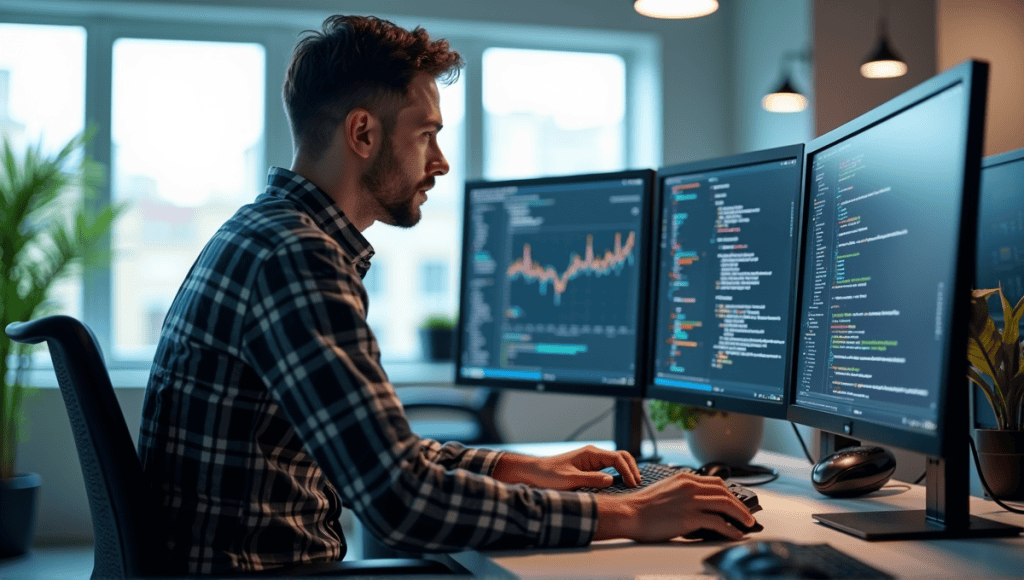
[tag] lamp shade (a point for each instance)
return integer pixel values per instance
(675, 8)
(785, 99)
(883, 63)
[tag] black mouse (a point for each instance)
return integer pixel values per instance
(853, 471)
(715, 469)
(715, 536)
(761, 559)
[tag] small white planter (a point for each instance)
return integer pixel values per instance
(733, 438)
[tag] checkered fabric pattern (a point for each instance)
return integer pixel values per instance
(267, 410)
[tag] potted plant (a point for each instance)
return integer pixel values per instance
(996, 366)
(437, 334)
(712, 435)
(49, 223)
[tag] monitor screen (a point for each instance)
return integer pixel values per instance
(885, 289)
(554, 283)
(890, 223)
(1000, 245)
(1001, 227)
(723, 290)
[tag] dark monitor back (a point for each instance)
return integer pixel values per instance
(554, 283)
(723, 293)
(890, 224)
(1000, 244)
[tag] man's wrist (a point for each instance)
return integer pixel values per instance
(616, 517)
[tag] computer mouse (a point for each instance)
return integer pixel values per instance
(853, 471)
(715, 536)
(760, 559)
(715, 469)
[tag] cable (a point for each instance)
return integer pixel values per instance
(572, 436)
(920, 479)
(742, 472)
(977, 464)
(802, 444)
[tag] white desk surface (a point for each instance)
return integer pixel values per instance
(788, 504)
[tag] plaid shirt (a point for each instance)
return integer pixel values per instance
(267, 410)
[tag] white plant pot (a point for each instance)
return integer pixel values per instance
(733, 439)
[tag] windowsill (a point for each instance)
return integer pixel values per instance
(400, 372)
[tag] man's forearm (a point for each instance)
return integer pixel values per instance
(513, 468)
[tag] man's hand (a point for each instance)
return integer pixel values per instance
(577, 468)
(671, 508)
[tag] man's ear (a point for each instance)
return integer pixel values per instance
(362, 132)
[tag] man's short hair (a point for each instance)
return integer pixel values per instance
(357, 61)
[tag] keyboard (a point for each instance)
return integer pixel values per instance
(790, 560)
(654, 472)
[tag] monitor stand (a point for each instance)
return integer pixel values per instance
(628, 430)
(947, 513)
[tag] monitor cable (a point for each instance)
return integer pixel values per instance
(988, 490)
(800, 438)
(572, 436)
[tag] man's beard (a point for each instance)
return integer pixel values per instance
(395, 194)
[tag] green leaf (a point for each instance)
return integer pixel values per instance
(995, 398)
(45, 233)
(986, 361)
(985, 343)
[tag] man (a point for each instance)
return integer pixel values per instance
(267, 408)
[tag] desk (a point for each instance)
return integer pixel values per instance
(788, 504)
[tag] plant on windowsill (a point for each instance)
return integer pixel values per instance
(45, 231)
(437, 334)
(996, 367)
(712, 435)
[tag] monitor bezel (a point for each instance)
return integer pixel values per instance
(1002, 158)
(634, 391)
(952, 418)
(709, 400)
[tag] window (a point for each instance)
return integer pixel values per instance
(189, 118)
(42, 102)
(374, 279)
(187, 138)
(434, 278)
(553, 113)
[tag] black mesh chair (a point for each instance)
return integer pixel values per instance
(120, 501)
(466, 415)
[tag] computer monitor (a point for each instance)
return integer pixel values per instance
(1000, 245)
(890, 222)
(724, 281)
(554, 287)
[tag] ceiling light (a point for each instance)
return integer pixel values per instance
(675, 8)
(883, 63)
(785, 99)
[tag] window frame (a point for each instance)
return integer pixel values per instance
(277, 29)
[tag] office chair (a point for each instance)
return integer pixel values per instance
(468, 416)
(123, 509)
